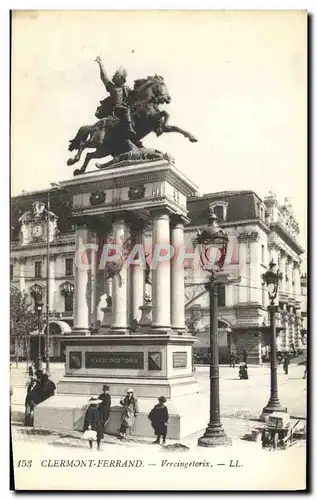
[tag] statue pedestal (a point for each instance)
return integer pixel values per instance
(156, 360)
(153, 365)
(146, 317)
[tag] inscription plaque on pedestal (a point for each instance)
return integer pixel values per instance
(121, 360)
(179, 359)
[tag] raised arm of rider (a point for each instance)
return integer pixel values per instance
(103, 75)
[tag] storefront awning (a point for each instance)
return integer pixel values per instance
(56, 328)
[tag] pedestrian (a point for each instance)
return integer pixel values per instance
(305, 371)
(159, 418)
(47, 387)
(33, 398)
(93, 425)
(232, 360)
(105, 404)
(243, 371)
(130, 411)
(286, 363)
(245, 357)
(39, 374)
(31, 371)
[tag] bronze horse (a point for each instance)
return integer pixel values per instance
(107, 136)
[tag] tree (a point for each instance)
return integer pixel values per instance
(23, 319)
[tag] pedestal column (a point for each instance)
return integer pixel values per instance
(161, 272)
(177, 277)
(81, 306)
(119, 285)
(93, 283)
(137, 276)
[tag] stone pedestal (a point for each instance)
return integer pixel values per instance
(107, 318)
(156, 358)
(146, 316)
(154, 365)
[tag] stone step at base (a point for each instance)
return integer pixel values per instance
(187, 415)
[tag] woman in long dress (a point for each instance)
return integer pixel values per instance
(130, 411)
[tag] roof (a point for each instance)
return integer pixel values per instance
(60, 205)
(242, 205)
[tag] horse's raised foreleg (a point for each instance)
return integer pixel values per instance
(99, 153)
(164, 127)
(76, 158)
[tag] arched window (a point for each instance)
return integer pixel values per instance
(220, 209)
(67, 290)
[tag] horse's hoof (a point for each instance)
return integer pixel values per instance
(193, 139)
(71, 161)
(77, 171)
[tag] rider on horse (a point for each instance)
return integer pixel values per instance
(119, 94)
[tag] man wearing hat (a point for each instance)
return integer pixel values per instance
(105, 405)
(130, 411)
(159, 419)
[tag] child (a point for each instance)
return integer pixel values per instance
(93, 426)
(159, 419)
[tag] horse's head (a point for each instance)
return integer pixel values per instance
(151, 89)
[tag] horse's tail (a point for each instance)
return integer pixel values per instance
(81, 136)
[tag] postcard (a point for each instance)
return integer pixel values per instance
(158, 274)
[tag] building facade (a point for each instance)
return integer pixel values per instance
(259, 230)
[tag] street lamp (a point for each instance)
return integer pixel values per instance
(54, 187)
(271, 279)
(212, 240)
(38, 310)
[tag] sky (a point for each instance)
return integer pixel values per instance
(237, 81)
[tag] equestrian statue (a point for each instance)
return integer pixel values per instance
(125, 117)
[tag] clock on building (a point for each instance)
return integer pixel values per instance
(37, 230)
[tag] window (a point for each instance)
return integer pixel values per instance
(38, 269)
(69, 267)
(11, 272)
(220, 209)
(69, 303)
(219, 212)
(221, 295)
(262, 254)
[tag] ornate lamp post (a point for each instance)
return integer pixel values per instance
(54, 187)
(48, 209)
(271, 279)
(38, 310)
(213, 239)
